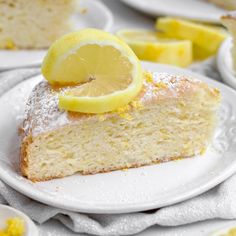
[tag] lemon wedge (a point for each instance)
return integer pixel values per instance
(147, 45)
(104, 71)
(205, 36)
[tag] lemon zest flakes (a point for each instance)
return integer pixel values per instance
(15, 227)
(137, 105)
(148, 76)
(126, 116)
(160, 85)
(203, 150)
(8, 44)
(123, 109)
(123, 112)
(149, 79)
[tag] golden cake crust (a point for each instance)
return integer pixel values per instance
(24, 167)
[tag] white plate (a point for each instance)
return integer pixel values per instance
(123, 191)
(225, 63)
(7, 212)
(193, 9)
(97, 15)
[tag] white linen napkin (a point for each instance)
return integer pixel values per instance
(216, 203)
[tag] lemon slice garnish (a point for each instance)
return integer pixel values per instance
(106, 72)
(149, 46)
(205, 36)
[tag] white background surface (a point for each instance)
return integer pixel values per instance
(125, 17)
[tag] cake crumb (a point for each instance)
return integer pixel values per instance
(137, 105)
(148, 76)
(9, 44)
(83, 10)
(101, 117)
(126, 116)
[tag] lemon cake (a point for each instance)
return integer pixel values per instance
(229, 21)
(226, 4)
(34, 24)
(172, 117)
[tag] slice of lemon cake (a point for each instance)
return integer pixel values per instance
(34, 24)
(172, 117)
(229, 21)
(98, 111)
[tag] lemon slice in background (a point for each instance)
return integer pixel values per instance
(201, 53)
(198, 52)
(148, 46)
(104, 71)
(204, 36)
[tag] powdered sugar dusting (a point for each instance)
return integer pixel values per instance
(43, 114)
(164, 86)
(173, 81)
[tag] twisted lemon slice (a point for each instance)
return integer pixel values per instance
(105, 72)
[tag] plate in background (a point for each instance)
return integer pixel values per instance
(92, 14)
(225, 63)
(134, 190)
(192, 9)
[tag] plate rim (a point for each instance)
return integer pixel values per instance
(127, 208)
(224, 69)
(107, 27)
(152, 12)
